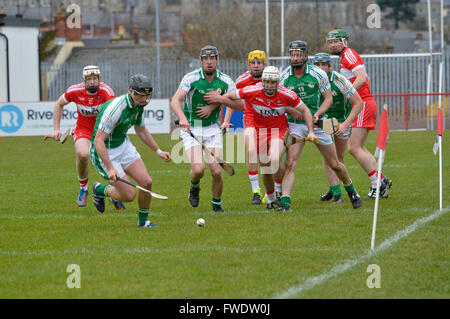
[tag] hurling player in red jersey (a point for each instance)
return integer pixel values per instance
(267, 102)
(352, 67)
(257, 61)
(89, 97)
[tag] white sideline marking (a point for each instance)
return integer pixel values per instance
(311, 282)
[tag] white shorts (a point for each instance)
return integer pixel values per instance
(211, 136)
(302, 131)
(346, 134)
(121, 157)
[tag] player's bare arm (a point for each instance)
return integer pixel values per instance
(229, 99)
(361, 78)
(296, 114)
(357, 104)
(57, 115)
(100, 147)
(308, 118)
(328, 100)
(205, 111)
(176, 105)
(148, 140)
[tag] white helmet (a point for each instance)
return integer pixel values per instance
(90, 70)
(271, 73)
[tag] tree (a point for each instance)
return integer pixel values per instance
(399, 10)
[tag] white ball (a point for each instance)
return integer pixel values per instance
(200, 222)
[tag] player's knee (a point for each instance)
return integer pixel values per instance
(290, 165)
(216, 172)
(353, 149)
(83, 155)
(129, 195)
(198, 170)
(147, 183)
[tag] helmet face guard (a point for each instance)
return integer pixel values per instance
(256, 55)
(271, 74)
(209, 50)
(89, 71)
(340, 35)
(302, 46)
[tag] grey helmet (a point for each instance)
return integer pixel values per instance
(209, 50)
(141, 84)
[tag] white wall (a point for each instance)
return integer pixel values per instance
(23, 63)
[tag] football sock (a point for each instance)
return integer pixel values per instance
(143, 215)
(254, 181)
(335, 190)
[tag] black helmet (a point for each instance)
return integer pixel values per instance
(209, 50)
(298, 45)
(141, 84)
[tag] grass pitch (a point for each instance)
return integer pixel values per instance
(247, 252)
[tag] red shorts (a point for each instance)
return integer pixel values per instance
(248, 120)
(265, 135)
(367, 118)
(81, 132)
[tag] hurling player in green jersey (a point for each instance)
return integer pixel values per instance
(112, 153)
(345, 108)
(311, 84)
(202, 119)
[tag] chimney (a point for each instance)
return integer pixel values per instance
(60, 25)
(136, 35)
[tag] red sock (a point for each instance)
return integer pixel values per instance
(83, 182)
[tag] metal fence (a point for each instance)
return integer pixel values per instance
(389, 74)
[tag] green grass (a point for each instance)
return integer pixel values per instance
(245, 253)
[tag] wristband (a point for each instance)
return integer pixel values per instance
(158, 151)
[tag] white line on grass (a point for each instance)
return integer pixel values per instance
(312, 282)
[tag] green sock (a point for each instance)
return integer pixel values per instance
(101, 189)
(216, 202)
(349, 188)
(195, 184)
(286, 201)
(336, 190)
(143, 215)
(330, 190)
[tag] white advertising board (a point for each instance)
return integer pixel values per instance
(36, 118)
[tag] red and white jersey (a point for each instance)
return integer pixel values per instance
(88, 105)
(268, 111)
(245, 79)
(350, 62)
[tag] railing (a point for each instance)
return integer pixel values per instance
(412, 111)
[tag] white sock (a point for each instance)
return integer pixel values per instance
(271, 197)
(277, 186)
(254, 181)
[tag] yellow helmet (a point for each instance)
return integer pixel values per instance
(257, 54)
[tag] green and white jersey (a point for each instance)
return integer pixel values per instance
(196, 84)
(116, 117)
(341, 89)
(308, 87)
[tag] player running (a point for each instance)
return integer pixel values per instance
(113, 155)
(267, 102)
(344, 96)
(257, 61)
(88, 96)
(352, 67)
(202, 118)
(310, 83)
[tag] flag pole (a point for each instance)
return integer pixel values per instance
(383, 133)
(377, 198)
